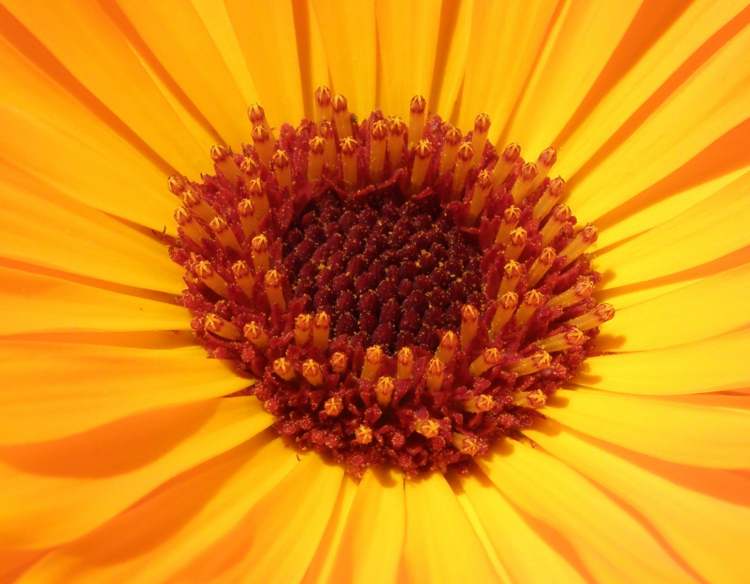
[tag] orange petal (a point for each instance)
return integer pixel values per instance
(612, 545)
(85, 480)
(42, 227)
(59, 389)
(434, 540)
(710, 365)
(39, 303)
(708, 533)
(665, 428)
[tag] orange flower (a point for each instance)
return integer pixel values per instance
(127, 454)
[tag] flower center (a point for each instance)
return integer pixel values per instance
(403, 294)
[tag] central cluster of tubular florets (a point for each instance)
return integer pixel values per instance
(403, 294)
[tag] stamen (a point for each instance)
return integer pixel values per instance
(434, 374)
(339, 362)
(312, 372)
(323, 103)
(272, 286)
(469, 325)
(264, 145)
(504, 165)
(487, 360)
(480, 403)
(256, 334)
(216, 325)
(249, 218)
(397, 134)
(560, 216)
(195, 204)
(404, 363)
(303, 325)
(583, 239)
(341, 117)
(283, 368)
(539, 361)
(544, 164)
(205, 272)
(570, 338)
(518, 238)
(417, 117)
(348, 148)
(422, 156)
(243, 278)
(315, 159)
(466, 444)
(378, 135)
(479, 195)
(429, 427)
(549, 198)
(449, 150)
(321, 330)
(282, 170)
(594, 318)
(447, 348)
(541, 265)
(258, 197)
(512, 272)
(177, 184)
(505, 308)
(372, 364)
(577, 293)
(257, 116)
(531, 399)
(224, 234)
(363, 435)
(333, 406)
(249, 168)
(524, 182)
(224, 163)
(508, 223)
(384, 391)
(532, 301)
(189, 226)
(479, 138)
(259, 253)
(463, 164)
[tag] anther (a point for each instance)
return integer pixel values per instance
(249, 219)
(397, 131)
(224, 234)
(281, 169)
(259, 253)
(378, 143)
(479, 195)
(524, 182)
(283, 368)
(463, 163)
(190, 227)
(272, 286)
(323, 103)
(312, 372)
(330, 153)
(339, 362)
(532, 301)
(504, 165)
(479, 403)
(177, 184)
(258, 197)
(256, 334)
(541, 265)
(428, 427)
(594, 318)
(549, 198)
(316, 147)
(333, 406)
(417, 117)
(539, 361)
(568, 339)
(517, 242)
(512, 272)
(197, 206)
(447, 348)
(560, 216)
(321, 330)
(349, 148)
(486, 361)
(205, 271)
(508, 223)
(243, 278)
(450, 149)
(303, 324)
(341, 117)
(506, 306)
(582, 289)
(582, 240)
(223, 328)
(224, 163)
(404, 363)
(469, 325)
(363, 435)
(384, 391)
(434, 374)
(373, 362)
(422, 158)
(466, 444)
(479, 138)
(264, 144)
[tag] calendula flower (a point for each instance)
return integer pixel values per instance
(323, 291)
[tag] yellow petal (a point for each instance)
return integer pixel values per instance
(707, 231)
(710, 365)
(40, 226)
(708, 533)
(349, 38)
(265, 31)
(39, 303)
(406, 30)
(690, 26)
(567, 68)
(703, 309)
(437, 533)
(505, 41)
(161, 535)
(525, 554)
(58, 140)
(51, 390)
(715, 93)
(84, 49)
(611, 544)
(670, 429)
(178, 40)
(373, 533)
(54, 492)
